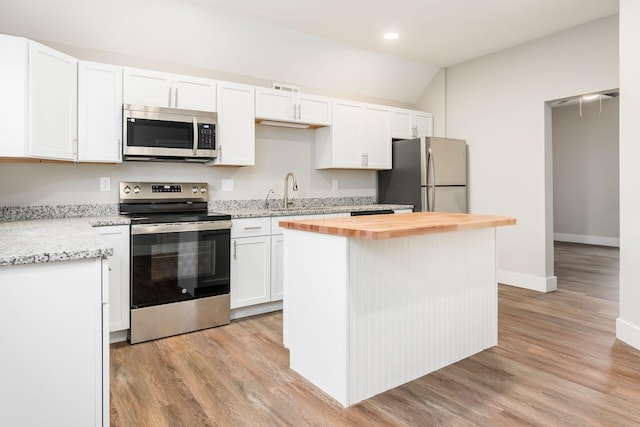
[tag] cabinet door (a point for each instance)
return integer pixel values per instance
(118, 237)
(277, 264)
(53, 100)
(424, 124)
(402, 124)
(314, 109)
(99, 112)
(146, 87)
(235, 134)
(13, 102)
(376, 137)
(274, 104)
(250, 271)
(194, 93)
(346, 135)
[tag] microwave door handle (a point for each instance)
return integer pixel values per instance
(195, 136)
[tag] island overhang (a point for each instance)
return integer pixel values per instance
(376, 227)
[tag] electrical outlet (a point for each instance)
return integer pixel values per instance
(226, 185)
(105, 183)
(334, 184)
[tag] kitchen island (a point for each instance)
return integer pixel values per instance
(373, 302)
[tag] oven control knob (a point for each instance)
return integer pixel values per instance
(194, 190)
(203, 189)
(126, 189)
(184, 291)
(136, 189)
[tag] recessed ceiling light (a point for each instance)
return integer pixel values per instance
(391, 36)
(590, 97)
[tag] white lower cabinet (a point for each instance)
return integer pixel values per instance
(250, 262)
(56, 344)
(277, 279)
(250, 271)
(118, 237)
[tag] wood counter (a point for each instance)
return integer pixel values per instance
(376, 227)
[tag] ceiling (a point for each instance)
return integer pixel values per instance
(434, 32)
(331, 47)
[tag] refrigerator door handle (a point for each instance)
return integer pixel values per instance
(431, 205)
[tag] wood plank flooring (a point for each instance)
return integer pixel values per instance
(557, 364)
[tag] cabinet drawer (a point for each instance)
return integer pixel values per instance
(247, 227)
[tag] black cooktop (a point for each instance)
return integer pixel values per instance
(163, 212)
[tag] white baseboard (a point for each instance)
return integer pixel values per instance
(587, 240)
(628, 333)
(118, 336)
(253, 310)
(526, 281)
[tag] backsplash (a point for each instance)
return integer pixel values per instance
(21, 213)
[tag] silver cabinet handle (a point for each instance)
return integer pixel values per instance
(169, 97)
(257, 227)
(235, 251)
(299, 112)
(176, 98)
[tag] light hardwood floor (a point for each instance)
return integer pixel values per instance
(557, 364)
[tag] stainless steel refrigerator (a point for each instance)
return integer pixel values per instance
(428, 173)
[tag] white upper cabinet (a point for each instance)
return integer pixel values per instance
(407, 124)
(376, 140)
(235, 133)
(279, 105)
(158, 89)
(14, 60)
(53, 100)
(99, 112)
(359, 137)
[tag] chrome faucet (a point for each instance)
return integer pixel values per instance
(286, 201)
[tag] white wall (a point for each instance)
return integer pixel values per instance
(194, 32)
(586, 206)
(628, 324)
(497, 103)
(434, 100)
(278, 151)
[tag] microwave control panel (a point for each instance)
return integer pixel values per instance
(206, 136)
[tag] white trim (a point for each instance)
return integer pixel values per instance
(535, 283)
(628, 332)
(253, 310)
(588, 240)
(118, 336)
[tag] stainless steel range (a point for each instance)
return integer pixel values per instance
(180, 259)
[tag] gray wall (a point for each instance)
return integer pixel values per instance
(586, 207)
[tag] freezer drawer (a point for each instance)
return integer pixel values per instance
(447, 199)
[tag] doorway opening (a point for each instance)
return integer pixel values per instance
(583, 167)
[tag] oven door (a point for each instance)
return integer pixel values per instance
(178, 262)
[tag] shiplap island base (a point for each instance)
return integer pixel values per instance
(372, 302)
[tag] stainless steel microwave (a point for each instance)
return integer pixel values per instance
(168, 134)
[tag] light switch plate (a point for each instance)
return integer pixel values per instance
(105, 183)
(226, 185)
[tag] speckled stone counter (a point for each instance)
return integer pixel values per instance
(48, 240)
(257, 212)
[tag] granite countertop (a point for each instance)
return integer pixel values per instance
(48, 240)
(389, 226)
(303, 210)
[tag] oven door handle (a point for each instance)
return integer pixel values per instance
(179, 227)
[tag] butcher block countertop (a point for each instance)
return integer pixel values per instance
(377, 227)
